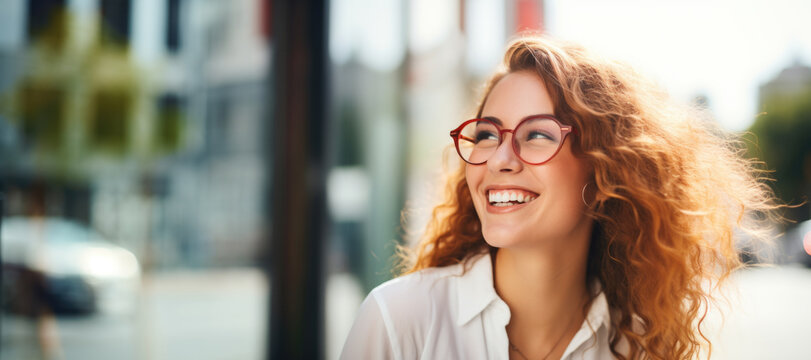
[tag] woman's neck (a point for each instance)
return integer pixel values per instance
(546, 291)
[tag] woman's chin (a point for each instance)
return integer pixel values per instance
(502, 238)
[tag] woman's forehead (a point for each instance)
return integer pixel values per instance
(517, 95)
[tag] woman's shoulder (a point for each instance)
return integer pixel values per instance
(398, 314)
(432, 291)
(428, 284)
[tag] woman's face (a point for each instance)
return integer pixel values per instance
(556, 214)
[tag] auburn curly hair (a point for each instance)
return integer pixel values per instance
(670, 190)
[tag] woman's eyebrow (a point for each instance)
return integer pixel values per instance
(500, 123)
(495, 120)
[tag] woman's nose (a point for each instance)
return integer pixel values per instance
(504, 159)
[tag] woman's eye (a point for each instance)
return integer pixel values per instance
(533, 135)
(485, 135)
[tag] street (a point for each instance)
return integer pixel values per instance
(217, 314)
(767, 317)
(220, 315)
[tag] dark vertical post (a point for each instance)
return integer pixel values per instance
(297, 129)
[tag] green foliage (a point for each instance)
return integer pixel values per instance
(72, 102)
(782, 139)
(111, 118)
(42, 114)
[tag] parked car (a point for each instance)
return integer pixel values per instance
(65, 267)
(797, 243)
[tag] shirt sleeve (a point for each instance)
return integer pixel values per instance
(371, 336)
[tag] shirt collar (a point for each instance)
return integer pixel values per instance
(476, 292)
(475, 289)
(598, 311)
(598, 317)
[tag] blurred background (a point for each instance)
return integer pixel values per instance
(138, 156)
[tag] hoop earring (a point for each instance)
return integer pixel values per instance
(583, 195)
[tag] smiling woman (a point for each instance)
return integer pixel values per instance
(589, 212)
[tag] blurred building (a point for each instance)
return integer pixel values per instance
(142, 118)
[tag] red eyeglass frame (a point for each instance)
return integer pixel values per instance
(565, 130)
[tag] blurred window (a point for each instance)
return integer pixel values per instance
(115, 22)
(47, 20)
(170, 121)
(173, 26)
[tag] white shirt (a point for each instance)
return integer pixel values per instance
(437, 314)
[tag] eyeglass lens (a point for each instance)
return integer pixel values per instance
(535, 140)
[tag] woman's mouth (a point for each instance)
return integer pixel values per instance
(509, 197)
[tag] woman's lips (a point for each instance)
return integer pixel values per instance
(504, 209)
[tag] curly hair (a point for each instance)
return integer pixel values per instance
(671, 188)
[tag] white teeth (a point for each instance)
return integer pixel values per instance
(503, 198)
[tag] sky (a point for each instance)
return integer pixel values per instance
(722, 49)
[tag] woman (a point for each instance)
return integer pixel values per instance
(588, 215)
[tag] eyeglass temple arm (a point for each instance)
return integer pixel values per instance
(456, 134)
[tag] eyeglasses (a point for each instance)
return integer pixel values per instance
(536, 139)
